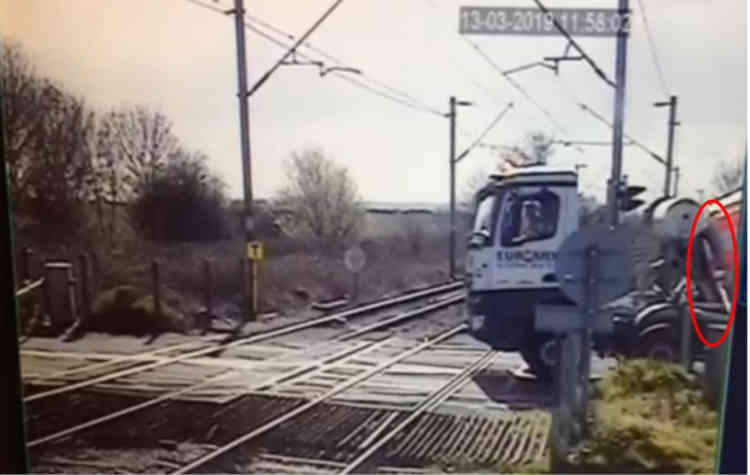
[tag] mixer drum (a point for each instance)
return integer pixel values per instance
(660, 248)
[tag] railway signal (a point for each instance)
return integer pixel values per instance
(626, 200)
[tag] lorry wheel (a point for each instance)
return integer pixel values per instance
(541, 355)
(659, 345)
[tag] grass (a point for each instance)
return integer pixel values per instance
(650, 418)
(294, 274)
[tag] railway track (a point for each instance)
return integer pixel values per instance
(245, 438)
(353, 436)
(375, 439)
(230, 375)
(209, 348)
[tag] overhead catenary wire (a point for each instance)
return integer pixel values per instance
(653, 50)
(294, 47)
(514, 84)
(601, 118)
(207, 6)
(405, 99)
(409, 102)
(485, 132)
(598, 70)
(281, 44)
(330, 57)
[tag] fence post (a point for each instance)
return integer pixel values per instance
(156, 289)
(243, 281)
(26, 264)
(72, 293)
(83, 272)
(209, 287)
(254, 277)
(46, 293)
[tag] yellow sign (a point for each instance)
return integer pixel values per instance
(255, 251)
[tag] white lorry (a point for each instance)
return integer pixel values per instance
(521, 220)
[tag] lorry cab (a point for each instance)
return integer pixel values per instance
(520, 221)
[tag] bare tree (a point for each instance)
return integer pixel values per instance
(23, 96)
(539, 147)
(472, 185)
(536, 149)
(61, 163)
(142, 142)
(108, 170)
(728, 176)
(47, 131)
(320, 198)
(589, 210)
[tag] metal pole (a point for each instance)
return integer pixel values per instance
(686, 336)
(670, 143)
(452, 161)
(239, 24)
(676, 180)
(619, 120)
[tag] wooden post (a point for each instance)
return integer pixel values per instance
(208, 287)
(74, 315)
(46, 292)
(156, 290)
(244, 291)
(254, 269)
(26, 264)
(83, 272)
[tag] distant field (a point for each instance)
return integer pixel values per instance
(389, 224)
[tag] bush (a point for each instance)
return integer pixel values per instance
(650, 418)
(182, 203)
(645, 376)
(128, 310)
(320, 200)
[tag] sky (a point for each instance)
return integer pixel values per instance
(180, 59)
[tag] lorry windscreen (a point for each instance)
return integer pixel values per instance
(483, 218)
(529, 217)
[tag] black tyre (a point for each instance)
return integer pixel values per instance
(659, 345)
(541, 355)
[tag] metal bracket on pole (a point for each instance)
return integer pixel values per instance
(564, 57)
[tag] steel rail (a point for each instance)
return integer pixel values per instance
(345, 353)
(431, 401)
(139, 356)
(251, 339)
(320, 399)
(348, 352)
(136, 357)
(402, 317)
